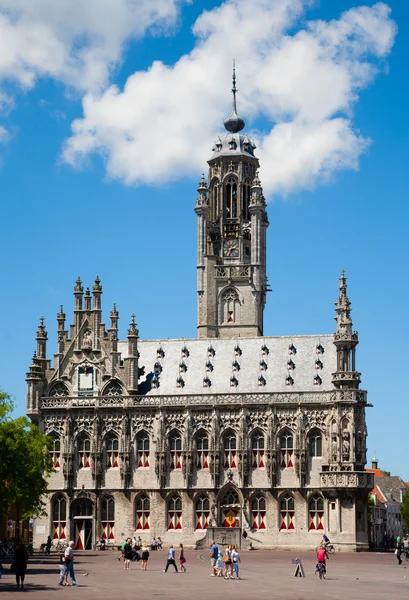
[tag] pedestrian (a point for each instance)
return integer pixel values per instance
(48, 546)
(69, 565)
(227, 562)
(160, 544)
(182, 559)
(62, 568)
(398, 550)
(171, 559)
(235, 557)
(20, 564)
(214, 555)
(127, 554)
(220, 565)
(145, 555)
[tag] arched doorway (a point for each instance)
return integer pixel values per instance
(230, 509)
(82, 519)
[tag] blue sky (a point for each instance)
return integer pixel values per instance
(102, 180)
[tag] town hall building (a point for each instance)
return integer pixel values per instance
(233, 432)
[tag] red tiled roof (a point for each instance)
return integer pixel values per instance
(376, 472)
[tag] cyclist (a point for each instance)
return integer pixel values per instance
(325, 541)
(322, 555)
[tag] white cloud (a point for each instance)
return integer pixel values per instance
(77, 42)
(160, 126)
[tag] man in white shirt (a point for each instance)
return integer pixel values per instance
(68, 564)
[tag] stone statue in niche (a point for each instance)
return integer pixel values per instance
(345, 446)
(334, 447)
(87, 339)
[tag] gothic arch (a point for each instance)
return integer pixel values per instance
(222, 493)
(113, 388)
(59, 390)
(214, 189)
(229, 306)
(231, 196)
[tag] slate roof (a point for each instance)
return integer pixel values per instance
(245, 359)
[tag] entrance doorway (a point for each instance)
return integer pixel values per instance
(82, 519)
(230, 509)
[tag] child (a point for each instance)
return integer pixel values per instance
(220, 565)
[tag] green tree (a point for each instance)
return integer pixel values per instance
(404, 510)
(24, 463)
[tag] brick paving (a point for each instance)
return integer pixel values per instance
(264, 575)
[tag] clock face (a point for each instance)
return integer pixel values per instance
(231, 248)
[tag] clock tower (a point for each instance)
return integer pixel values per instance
(232, 224)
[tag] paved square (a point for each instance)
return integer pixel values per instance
(264, 575)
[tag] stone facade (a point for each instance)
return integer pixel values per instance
(230, 432)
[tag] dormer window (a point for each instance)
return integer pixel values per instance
(318, 364)
(232, 145)
(317, 380)
(185, 352)
(155, 382)
(180, 382)
(234, 382)
(289, 381)
(264, 350)
(261, 381)
(209, 366)
(206, 382)
(236, 365)
(157, 368)
(160, 353)
(263, 365)
(237, 350)
(182, 367)
(211, 351)
(320, 349)
(290, 365)
(292, 349)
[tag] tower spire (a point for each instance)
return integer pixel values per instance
(234, 123)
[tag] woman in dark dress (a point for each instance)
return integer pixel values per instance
(20, 564)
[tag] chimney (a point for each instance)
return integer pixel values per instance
(374, 462)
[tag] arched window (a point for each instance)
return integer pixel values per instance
(231, 198)
(175, 447)
(112, 449)
(316, 512)
(202, 512)
(108, 518)
(174, 513)
(231, 498)
(229, 444)
(55, 453)
(82, 508)
(230, 509)
(202, 448)
(84, 453)
(230, 312)
(258, 512)
(214, 200)
(287, 512)
(257, 444)
(113, 389)
(246, 199)
(59, 390)
(59, 509)
(143, 511)
(287, 451)
(315, 443)
(142, 446)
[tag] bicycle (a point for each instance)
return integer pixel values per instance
(330, 549)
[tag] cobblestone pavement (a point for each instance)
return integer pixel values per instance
(264, 575)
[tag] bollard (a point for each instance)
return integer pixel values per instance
(299, 569)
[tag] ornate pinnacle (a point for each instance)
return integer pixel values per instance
(234, 123)
(97, 287)
(41, 331)
(114, 313)
(343, 308)
(202, 184)
(133, 330)
(78, 289)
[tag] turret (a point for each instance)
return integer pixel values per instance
(78, 294)
(345, 340)
(133, 356)
(61, 340)
(35, 385)
(97, 312)
(41, 338)
(113, 338)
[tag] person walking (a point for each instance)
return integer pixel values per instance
(235, 557)
(127, 555)
(20, 564)
(62, 567)
(398, 550)
(182, 559)
(214, 555)
(48, 546)
(227, 562)
(171, 559)
(69, 565)
(145, 555)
